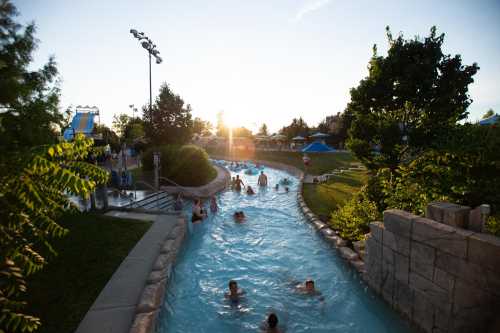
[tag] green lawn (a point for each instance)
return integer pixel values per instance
(65, 289)
(324, 198)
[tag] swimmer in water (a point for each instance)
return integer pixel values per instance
(308, 288)
(262, 179)
(213, 205)
(250, 190)
(198, 212)
(238, 183)
(277, 187)
(239, 217)
(287, 189)
(271, 324)
(234, 293)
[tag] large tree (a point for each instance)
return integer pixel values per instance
(263, 130)
(297, 127)
(169, 121)
(29, 113)
(201, 127)
(408, 102)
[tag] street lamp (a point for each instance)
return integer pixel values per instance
(134, 109)
(148, 44)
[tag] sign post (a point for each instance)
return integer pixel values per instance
(157, 166)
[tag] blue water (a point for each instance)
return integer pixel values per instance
(266, 254)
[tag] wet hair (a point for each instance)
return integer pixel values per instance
(232, 282)
(309, 281)
(272, 320)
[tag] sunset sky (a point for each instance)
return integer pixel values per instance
(258, 61)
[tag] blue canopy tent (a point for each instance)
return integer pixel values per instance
(317, 147)
(490, 120)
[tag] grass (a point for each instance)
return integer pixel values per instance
(324, 198)
(64, 290)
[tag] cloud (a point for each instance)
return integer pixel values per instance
(309, 7)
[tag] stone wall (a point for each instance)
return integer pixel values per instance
(443, 278)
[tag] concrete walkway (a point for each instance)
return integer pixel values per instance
(114, 309)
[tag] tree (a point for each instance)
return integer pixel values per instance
(169, 121)
(120, 122)
(297, 127)
(33, 196)
(263, 130)
(29, 99)
(488, 114)
(108, 136)
(134, 130)
(242, 132)
(409, 101)
(201, 127)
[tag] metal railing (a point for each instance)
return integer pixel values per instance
(147, 185)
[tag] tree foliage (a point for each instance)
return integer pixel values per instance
(263, 130)
(410, 99)
(169, 121)
(33, 196)
(28, 99)
(202, 127)
(297, 127)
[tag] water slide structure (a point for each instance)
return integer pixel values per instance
(83, 122)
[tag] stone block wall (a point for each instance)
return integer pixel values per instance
(441, 277)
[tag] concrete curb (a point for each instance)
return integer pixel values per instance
(153, 294)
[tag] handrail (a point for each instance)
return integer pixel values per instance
(148, 185)
(182, 188)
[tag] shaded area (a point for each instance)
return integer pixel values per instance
(62, 293)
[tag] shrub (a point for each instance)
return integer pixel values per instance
(353, 219)
(192, 166)
(493, 225)
(186, 165)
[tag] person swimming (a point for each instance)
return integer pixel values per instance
(262, 179)
(239, 216)
(250, 190)
(238, 183)
(287, 189)
(271, 324)
(234, 294)
(198, 212)
(308, 288)
(277, 187)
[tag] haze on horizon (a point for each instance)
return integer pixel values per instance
(258, 61)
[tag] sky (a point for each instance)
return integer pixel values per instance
(258, 61)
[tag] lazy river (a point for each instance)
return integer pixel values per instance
(265, 255)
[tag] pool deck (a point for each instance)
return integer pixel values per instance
(117, 306)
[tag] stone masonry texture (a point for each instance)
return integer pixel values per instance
(443, 278)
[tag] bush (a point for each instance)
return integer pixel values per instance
(353, 219)
(493, 225)
(186, 165)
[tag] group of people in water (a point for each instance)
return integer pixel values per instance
(236, 294)
(270, 325)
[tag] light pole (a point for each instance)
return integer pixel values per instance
(148, 44)
(134, 110)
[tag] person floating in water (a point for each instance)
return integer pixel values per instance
(250, 190)
(271, 324)
(262, 179)
(213, 205)
(287, 189)
(198, 212)
(178, 202)
(238, 183)
(277, 187)
(234, 294)
(239, 217)
(308, 288)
